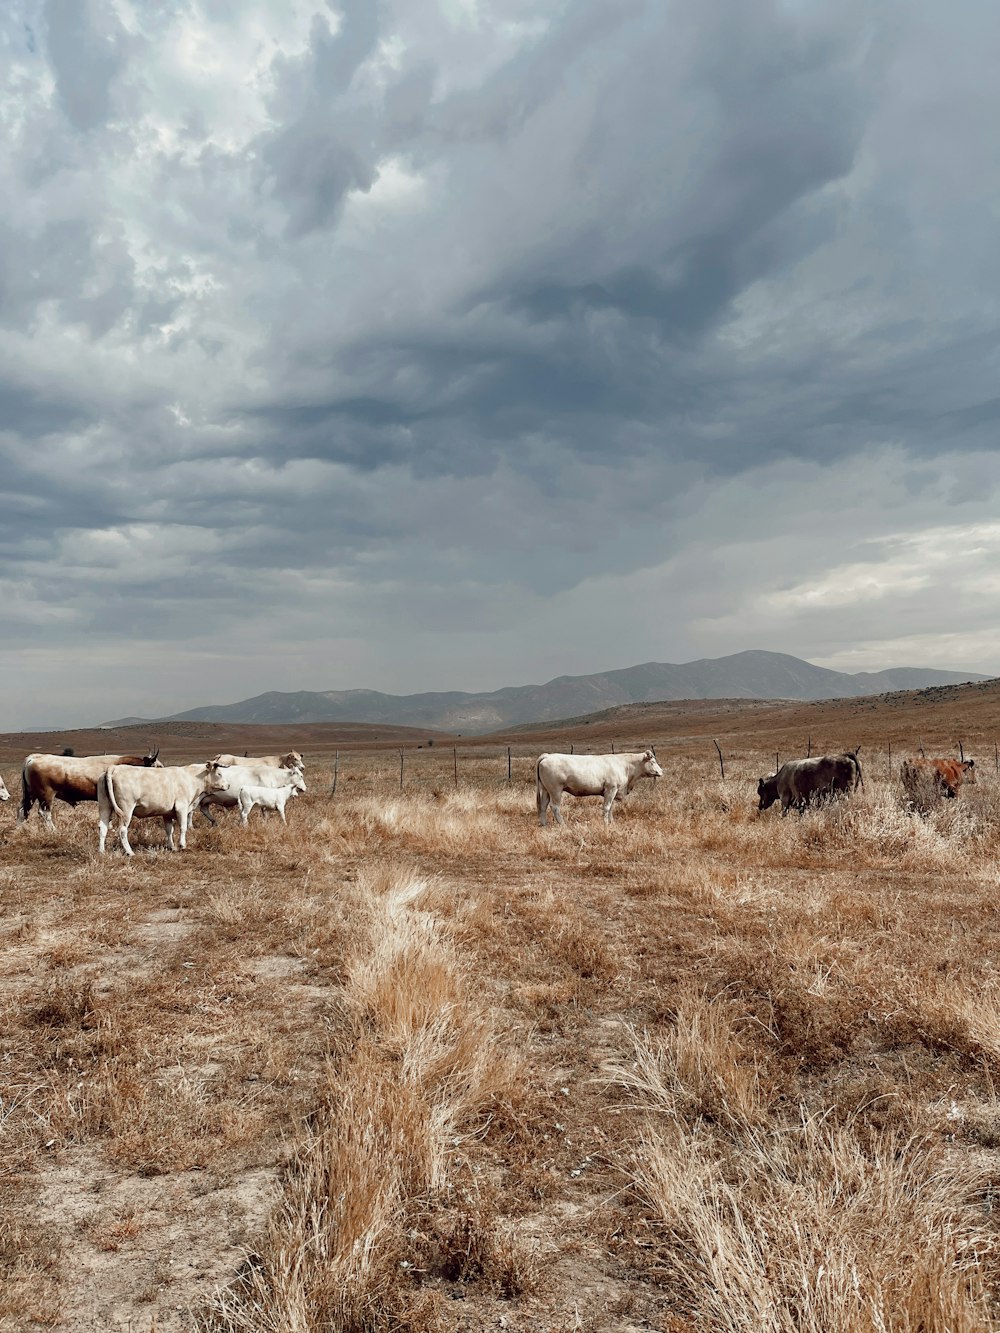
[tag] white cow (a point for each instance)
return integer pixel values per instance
(607, 775)
(290, 760)
(147, 793)
(226, 781)
(268, 798)
(4, 793)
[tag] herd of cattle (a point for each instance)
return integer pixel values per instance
(127, 786)
(138, 786)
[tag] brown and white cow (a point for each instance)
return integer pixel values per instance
(166, 793)
(923, 778)
(70, 778)
(290, 760)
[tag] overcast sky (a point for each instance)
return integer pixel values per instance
(451, 344)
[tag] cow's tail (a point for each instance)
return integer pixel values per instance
(538, 786)
(27, 800)
(859, 777)
(111, 792)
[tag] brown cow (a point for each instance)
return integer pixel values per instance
(47, 777)
(923, 778)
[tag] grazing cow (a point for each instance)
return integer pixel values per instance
(290, 760)
(801, 781)
(73, 779)
(165, 793)
(922, 778)
(227, 781)
(268, 798)
(607, 775)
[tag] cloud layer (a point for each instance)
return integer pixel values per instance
(454, 344)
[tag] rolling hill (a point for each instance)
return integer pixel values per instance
(748, 675)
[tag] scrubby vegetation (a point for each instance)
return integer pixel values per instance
(415, 1063)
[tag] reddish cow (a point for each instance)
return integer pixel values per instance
(936, 777)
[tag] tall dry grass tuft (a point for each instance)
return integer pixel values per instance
(414, 1074)
(803, 1230)
(701, 1067)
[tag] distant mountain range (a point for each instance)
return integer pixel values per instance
(748, 675)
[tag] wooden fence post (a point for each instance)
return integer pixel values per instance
(400, 770)
(809, 747)
(890, 758)
(612, 747)
(336, 766)
(455, 757)
(722, 768)
(508, 765)
(776, 761)
(920, 747)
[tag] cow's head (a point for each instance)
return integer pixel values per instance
(968, 767)
(215, 775)
(650, 768)
(767, 791)
(150, 760)
(292, 760)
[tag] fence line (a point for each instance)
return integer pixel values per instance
(485, 761)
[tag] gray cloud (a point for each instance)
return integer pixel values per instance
(532, 342)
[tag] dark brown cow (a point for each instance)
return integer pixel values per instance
(800, 782)
(49, 777)
(922, 778)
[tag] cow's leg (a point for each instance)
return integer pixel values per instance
(102, 832)
(281, 812)
(556, 803)
(204, 806)
(542, 802)
(168, 828)
(182, 817)
(245, 808)
(125, 818)
(609, 800)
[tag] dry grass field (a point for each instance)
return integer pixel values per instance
(414, 1063)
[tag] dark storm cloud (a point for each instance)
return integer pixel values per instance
(83, 38)
(508, 333)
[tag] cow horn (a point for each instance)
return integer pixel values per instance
(155, 755)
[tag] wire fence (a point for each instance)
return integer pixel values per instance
(439, 768)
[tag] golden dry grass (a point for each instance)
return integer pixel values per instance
(415, 1063)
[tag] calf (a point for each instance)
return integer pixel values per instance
(606, 775)
(167, 793)
(268, 798)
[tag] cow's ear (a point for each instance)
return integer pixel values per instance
(649, 754)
